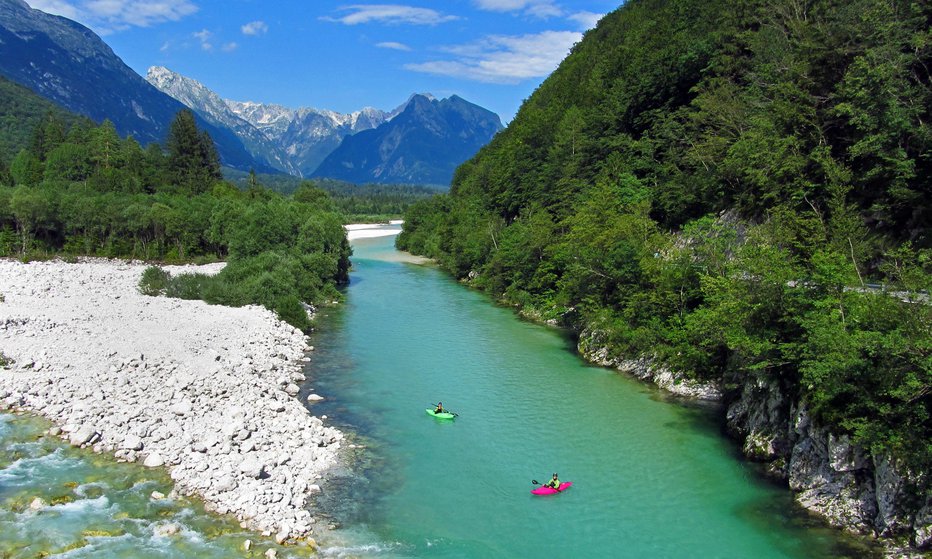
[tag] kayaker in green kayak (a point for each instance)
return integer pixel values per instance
(439, 408)
(555, 482)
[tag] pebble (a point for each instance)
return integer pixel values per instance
(184, 385)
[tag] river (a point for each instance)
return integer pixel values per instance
(652, 478)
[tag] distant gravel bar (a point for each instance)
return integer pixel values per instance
(205, 390)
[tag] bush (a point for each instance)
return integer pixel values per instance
(188, 286)
(290, 309)
(154, 281)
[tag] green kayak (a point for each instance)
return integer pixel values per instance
(441, 415)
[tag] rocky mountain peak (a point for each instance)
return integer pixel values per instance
(68, 64)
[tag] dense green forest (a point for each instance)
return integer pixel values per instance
(718, 186)
(21, 111)
(83, 190)
(360, 203)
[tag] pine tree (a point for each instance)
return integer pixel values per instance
(6, 179)
(105, 146)
(48, 135)
(193, 162)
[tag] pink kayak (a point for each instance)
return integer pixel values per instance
(543, 490)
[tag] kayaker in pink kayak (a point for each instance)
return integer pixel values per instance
(554, 483)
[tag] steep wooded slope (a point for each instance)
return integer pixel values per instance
(712, 187)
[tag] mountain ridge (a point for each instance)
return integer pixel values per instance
(293, 140)
(204, 102)
(78, 71)
(424, 143)
(431, 138)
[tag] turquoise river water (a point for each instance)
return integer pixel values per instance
(651, 478)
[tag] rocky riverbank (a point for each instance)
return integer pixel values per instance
(830, 476)
(206, 391)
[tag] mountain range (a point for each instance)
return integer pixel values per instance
(420, 142)
(292, 140)
(424, 143)
(67, 63)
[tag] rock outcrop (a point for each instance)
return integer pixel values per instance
(831, 476)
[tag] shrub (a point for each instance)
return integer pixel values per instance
(290, 309)
(187, 286)
(154, 281)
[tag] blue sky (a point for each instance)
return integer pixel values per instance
(343, 55)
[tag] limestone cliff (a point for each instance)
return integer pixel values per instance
(830, 476)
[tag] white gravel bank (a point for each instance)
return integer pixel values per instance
(207, 391)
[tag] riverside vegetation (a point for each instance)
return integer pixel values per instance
(83, 190)
(360, 203)
(712, 187)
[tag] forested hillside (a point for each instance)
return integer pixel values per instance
(715, 186)
(83, 190)
(21, 110)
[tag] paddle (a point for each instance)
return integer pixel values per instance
(535, 482)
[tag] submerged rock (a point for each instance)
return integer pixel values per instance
(165, 530)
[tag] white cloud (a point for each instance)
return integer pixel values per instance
(390, 14)
(586, 20)
(255, 28)
(504, 59)
(537, 8)
(204, 37)
(393, 45)
(107, 16)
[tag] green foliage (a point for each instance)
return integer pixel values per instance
(715, 185)
(93, 193)
(22, 115)
(193, 162)
(278, 280)
(154, 281)
(363, 203)
(850, 338)
(26, 169)
(68, 162)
